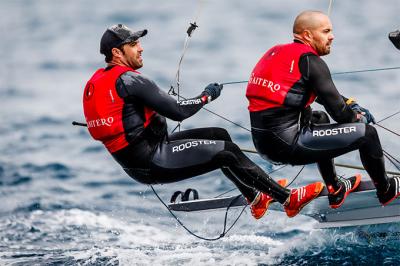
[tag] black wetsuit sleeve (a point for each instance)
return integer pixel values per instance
(131, 85)
(318, 76)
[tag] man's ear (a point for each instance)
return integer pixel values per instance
(307, 35)
(116, 52)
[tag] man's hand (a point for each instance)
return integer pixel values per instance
(361, 118)
(212, 91)
(368, 117)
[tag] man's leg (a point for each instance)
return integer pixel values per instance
(180, 159)
(326, 167)
(329, 141)
(371, 155)
(216, 133)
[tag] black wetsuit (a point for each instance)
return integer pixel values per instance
(154, 157)
(300, 136)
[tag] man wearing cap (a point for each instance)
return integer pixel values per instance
(127, 112)
(283, 84)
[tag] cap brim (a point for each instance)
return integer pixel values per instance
(135, 36)
(141, 33)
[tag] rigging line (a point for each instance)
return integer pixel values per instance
(335, 73)
(222, 117)
(391, 131)
(362, 168)
(296, 176)
(178, 125)
(366, 70)
(236, 124)
(226, 119)
(392, 159)
(189, 32)
(330, 8)
(387, 117)
(391, 156)
(224, 232)
(226, 192)
(336, 164)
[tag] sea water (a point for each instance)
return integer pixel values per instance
(64, 201)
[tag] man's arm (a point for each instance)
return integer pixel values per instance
(135, 85)
(318, 77)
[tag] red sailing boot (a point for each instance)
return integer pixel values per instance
(262, 201)
(347, 185)
(301, 196)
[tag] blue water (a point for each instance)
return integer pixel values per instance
(64, 201)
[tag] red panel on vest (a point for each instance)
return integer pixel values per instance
(274, 75)
(103, 108)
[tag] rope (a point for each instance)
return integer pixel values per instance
(296, 175)
(222, 117)
(392, 159)
(336, 164)
(226, 192)
(330, 8)
(391, 131)
(224, 231)
(333, 74)
(189, 32)
(387, 117)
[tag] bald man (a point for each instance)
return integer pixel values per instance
(281, 88)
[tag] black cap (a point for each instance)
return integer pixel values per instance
(117, 35)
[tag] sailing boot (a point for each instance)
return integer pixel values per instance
(300, 197)
(336, 198)
(391, 193)
(262, 201)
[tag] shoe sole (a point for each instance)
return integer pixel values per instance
(358, 181)
(283, 183)
(318, 189)
(392, 199)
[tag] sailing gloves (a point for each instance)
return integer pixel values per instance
(211, 92)
(366, 116)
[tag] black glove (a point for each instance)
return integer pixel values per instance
(369, 118)
(212, 91)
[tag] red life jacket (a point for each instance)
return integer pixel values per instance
(103, 108)
(274, 81)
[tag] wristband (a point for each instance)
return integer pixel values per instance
(206, 99)
(350, 101)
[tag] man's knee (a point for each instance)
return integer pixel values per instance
(229, 156)
(221, 134)
(371, 133)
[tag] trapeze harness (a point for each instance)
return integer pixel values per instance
(283, 84)
(127, 112)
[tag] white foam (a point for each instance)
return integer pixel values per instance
(140, 243)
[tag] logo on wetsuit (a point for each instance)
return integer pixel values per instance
(333, 131)
(192, 144)
(188, 102)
